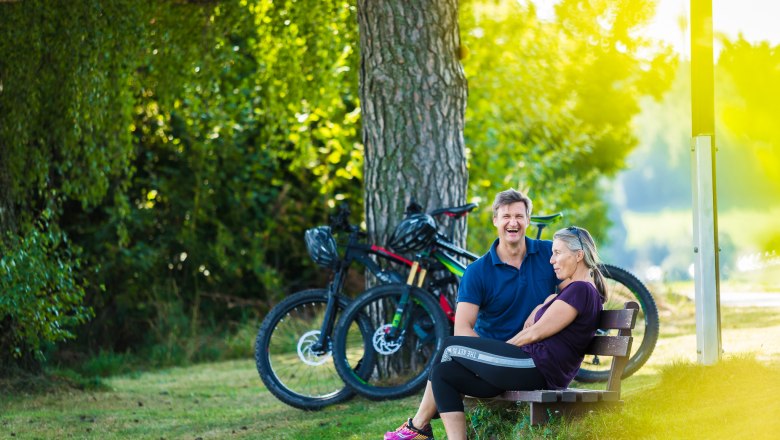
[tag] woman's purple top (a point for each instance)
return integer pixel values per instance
(558, 357)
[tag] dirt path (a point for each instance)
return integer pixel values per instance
(763, 342)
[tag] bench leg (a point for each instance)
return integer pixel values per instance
(541, 411)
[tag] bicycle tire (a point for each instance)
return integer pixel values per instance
(291, 372)
(623, 286)
(399, 367)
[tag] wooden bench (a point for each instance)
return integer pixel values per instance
(574, 401)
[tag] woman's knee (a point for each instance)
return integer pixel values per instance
(435, 375)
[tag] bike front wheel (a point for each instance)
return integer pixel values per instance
(288, 361)
(622, 286)
(400, 352)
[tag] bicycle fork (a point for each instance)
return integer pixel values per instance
(402, 312)
(323, 344)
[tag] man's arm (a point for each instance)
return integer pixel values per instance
(466, 319)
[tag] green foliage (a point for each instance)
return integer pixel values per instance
(485, 422)
(746, 107)
(63, 141)
(64, 134)
(550, 103)
(105, 364)
(249, 148)
(505, 420)
(184, 146)
(42, 294)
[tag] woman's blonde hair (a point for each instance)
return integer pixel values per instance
(576, 239)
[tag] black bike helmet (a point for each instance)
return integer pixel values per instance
(322, 246)
(416, 232)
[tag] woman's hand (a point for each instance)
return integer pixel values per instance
(530, 321)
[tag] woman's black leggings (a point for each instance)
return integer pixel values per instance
(480, 367)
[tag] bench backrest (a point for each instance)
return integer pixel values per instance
(618, 346)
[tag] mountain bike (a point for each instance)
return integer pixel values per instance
(407, 324)
(293, 344)
(407, 328)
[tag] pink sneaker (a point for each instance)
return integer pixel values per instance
(407, 431)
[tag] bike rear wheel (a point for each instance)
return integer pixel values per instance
(399, 365)
(288, 366)
(622, 286)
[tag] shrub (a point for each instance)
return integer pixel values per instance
(42, 294)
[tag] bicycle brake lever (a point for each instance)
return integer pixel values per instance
(340, 220)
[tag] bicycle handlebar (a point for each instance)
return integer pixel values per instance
(340, 220)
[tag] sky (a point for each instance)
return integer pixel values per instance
(755, 19)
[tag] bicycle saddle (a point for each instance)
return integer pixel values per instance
(455, 211)
(546, 219)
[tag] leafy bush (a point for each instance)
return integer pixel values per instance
(42, 293)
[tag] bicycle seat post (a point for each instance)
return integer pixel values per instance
(539, 229)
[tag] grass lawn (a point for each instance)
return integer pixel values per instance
(671, 397)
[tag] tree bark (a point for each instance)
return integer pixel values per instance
(413, 101)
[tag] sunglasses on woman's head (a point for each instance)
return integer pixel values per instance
(576, 231)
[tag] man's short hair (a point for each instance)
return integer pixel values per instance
(509, 196)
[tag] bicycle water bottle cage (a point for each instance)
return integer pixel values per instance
(322, 246)
(413, 234)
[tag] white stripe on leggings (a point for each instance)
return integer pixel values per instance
(485, 358)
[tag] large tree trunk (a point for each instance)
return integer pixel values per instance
(413, 100)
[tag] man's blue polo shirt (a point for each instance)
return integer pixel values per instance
(507, 295)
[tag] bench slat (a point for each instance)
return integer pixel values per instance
(622, 319)
(609, 345)
(585, 395)
(575, 395)
(529, 396)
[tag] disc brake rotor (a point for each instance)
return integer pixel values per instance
(384, 346)
(305, 352)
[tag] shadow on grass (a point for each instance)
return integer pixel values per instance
(20, 382)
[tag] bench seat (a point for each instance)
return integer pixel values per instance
(577, 401)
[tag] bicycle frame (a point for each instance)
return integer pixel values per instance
(361, 253)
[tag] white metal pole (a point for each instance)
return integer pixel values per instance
(705, 206)
(705, 230)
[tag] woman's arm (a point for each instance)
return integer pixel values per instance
(556, 318)
(531, 318)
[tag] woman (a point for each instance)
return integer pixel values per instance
(545, 354)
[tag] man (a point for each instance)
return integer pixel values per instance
(499, 291)
(497, 294)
